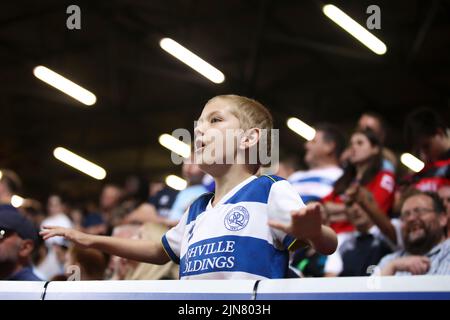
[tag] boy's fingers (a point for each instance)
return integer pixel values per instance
(297, 213)
(278, 225)
(49, 227)
(313, 209)
(317, 208)
(45, 236)
(50, 232)
(310, 209)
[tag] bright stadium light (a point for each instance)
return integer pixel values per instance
(412, 162)
(192, 60)
(65, 85)
(17, 201)
(79, 163)
(173, 144)
(301, 128)
(354, 28)
(176, 182)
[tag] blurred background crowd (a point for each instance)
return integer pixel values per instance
(386, 218)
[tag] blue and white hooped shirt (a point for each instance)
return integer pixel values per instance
(315, 184)
(233, 240)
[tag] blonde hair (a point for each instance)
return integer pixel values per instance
(251, 114)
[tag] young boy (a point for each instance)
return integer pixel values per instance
(245, 229)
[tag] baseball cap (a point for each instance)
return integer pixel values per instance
(11, 219)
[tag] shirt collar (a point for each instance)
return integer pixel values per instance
(374, 231)
(231, 192)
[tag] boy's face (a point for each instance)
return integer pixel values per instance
(216, 134)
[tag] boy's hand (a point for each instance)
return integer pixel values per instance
(305, 223)
(70, 234)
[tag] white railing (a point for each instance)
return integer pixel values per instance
(417, 287)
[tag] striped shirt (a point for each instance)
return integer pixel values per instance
(232, 239)
(315, 184)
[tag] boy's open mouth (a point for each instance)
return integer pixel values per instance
(199, 145)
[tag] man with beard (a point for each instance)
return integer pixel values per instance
(427, 249)
(17, 237)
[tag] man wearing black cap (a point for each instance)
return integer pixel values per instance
(17, 238)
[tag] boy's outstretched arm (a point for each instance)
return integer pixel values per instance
(138, 250)
(306, 225)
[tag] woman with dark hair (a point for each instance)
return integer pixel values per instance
(364, 182)
(357, 210)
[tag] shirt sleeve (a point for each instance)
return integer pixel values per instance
(173, 239)
(282, 200)
(387, 259)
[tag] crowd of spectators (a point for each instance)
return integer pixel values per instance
(387, 222)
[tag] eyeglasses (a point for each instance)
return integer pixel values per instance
(416, 212)
(5, 233)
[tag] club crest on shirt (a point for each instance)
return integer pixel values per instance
(236, 219)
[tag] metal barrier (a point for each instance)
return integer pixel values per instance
(22, 290)
(357, 288)
(386, 288)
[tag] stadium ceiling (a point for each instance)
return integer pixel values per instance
(287, 54)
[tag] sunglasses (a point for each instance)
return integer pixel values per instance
(5, 233)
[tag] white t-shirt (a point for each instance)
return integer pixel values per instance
(50, 266)
(233, 240)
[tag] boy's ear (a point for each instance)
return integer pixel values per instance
(250, 138)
